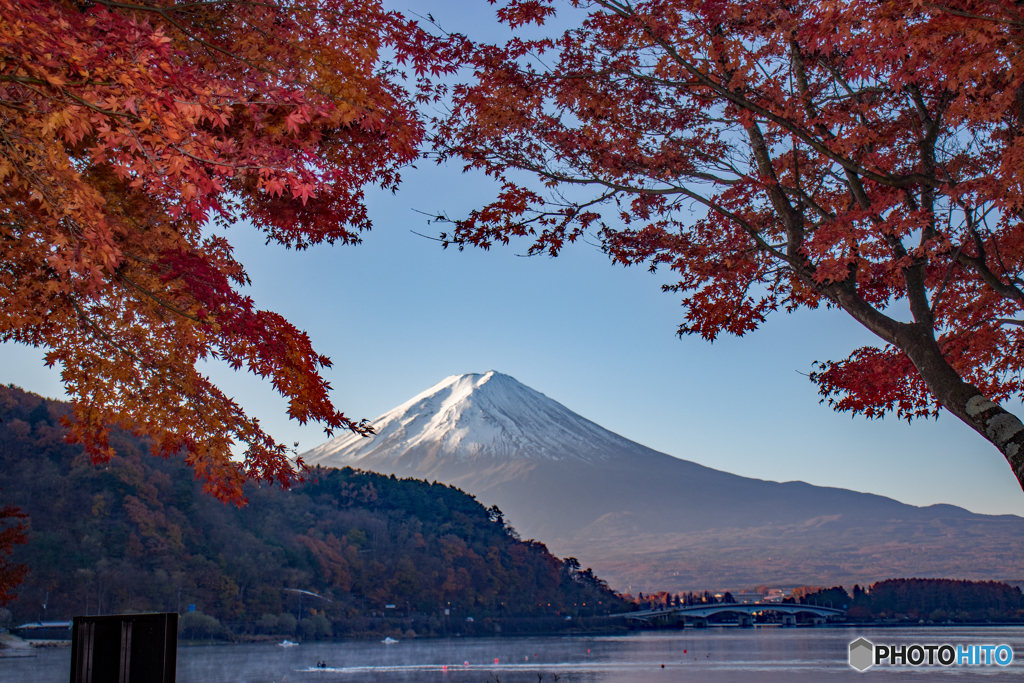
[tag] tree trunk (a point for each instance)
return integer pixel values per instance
(963, 399)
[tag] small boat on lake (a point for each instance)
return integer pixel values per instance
(389, 641)
(286, 643)
(44, 630)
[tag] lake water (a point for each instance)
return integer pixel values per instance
(768, 655)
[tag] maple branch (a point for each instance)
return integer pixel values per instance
(106, 112)
(743, 102)
(792, 219)
(765, 167)
(681, 190)
(838, 77)
(161, 302)
(24, 167)
(979, 263)
(80, 100)
(551, 174)
(998, 256)
(809, 201)
(208, 398)
(991, 279)
(937, 297)
(853, 180)
(990, 319)
(40, 81)
(854, 94)
(800, 74)
(106, 336)
(745, 225)
(969, 15)
(224, 164)
(845, 293)
(867, 315)
(189, 5)
(165, 12)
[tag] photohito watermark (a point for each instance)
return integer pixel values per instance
(864, 654)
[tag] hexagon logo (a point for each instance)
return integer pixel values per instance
(862, 654)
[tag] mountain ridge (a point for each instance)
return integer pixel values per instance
(590, 493)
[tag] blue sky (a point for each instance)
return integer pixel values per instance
(398, 314)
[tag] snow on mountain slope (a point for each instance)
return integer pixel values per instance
(464, 417)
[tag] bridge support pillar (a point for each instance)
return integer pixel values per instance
(789, 620)
(745, 620)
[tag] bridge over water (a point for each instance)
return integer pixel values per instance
(745, 612)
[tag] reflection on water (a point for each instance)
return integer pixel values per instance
(769, 655)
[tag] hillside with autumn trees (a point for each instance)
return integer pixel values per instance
(138, 534)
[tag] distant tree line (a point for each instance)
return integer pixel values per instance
(937, 600)
(344, 552)
(664, 599)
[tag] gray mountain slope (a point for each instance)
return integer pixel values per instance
(641, 517)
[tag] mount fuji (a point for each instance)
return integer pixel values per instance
(651, 521)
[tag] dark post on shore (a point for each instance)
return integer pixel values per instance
(124, 648)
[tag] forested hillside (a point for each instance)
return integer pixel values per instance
(138, 535)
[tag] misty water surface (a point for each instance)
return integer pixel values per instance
(769, 655)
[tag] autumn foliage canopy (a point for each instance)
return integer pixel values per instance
(865, 155)
(125, 128)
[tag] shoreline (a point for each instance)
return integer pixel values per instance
(619, 632)
(14, 646)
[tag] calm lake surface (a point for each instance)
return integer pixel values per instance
(769, 655)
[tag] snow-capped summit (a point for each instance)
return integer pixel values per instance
(472, 416)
